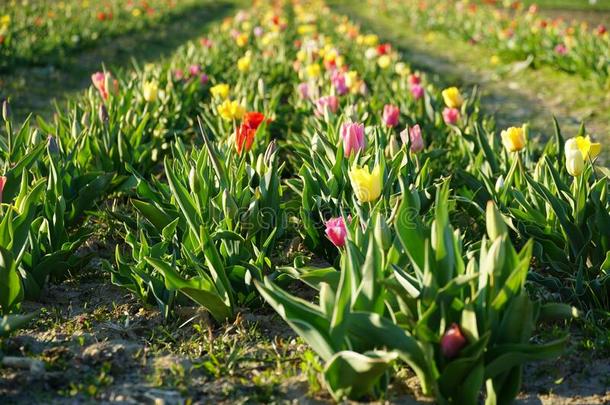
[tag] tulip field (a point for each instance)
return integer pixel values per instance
(286, 208)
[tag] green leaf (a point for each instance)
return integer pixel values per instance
(352, 375)
(198, 289)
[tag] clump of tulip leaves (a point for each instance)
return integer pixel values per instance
(402, 284)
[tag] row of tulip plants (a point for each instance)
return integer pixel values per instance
(515, 32)
(288, 120)
(42, 32)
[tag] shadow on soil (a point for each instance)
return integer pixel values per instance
(32, 89)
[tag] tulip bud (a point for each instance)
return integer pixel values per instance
(194, 183)
(496, 227)
(103, 114)
(392, 148)
(270, 152)
(6, 110)
(452, 342)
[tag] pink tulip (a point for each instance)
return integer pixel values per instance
(451, 115)
(203, 79)
(327, 104)
(258, 31)
(338, 81)
(417, 91)
(304, 90)
(452, 342)
(2, 183)
(414, 135)
(336, 231)
(561, 49)
(194, 70)
(178, 74)
(390, 115)
(353, 138)
(99, 81)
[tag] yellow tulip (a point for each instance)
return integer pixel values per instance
(366, 185)
(452, 97)
(371, 40)
(513, 139)
(306, 29)
(241, 40)
(150, 90)
(313, 70)
(231, 110)
(588, 149)
(243, 63)
(301, 55)
(575, 163)
(220, 90)
(384, 61)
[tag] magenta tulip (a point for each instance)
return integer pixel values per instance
(353, 138)
(99, 81)
(338, 81)
(390, 115)
(336, 231)
(417, 91)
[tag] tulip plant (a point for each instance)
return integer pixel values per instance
(461, 320)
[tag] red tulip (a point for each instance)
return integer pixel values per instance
(453, 341)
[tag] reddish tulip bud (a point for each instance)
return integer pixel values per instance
(453, 341)
(2, 183)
